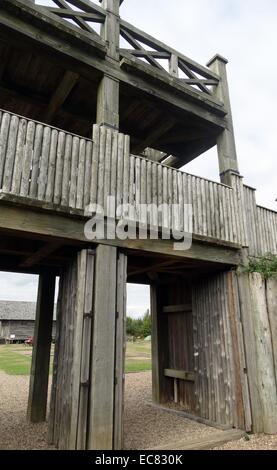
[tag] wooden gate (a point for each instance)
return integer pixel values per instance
(198, 349)
(88, 376)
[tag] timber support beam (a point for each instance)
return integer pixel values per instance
(226, 145)
(108, 91)
(37, 402)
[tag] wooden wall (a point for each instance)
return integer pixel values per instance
(172, 344)
(198, 352)
(221, 383)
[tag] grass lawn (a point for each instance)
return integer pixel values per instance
(15, 359)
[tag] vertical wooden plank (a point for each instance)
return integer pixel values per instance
(169, 197)
(160, 194)
(165, 220)
(114, 165)
(154, 213)
(264, 351)
(271, 294)
(4, 132)
(27, 160)
(126, 170)
(88, 164)
(36, 160)
(81, 175)
(241, 352)
(52, 166)
(77, 346)
(74, 172)
(107, 169)
(101, 167)
(94, 165)
(196, 350)
(66, 170)
(160, 391)
(101, 415)
(120, 346)
(53, 408)
(19, 156)
(132, 188)
(10, 155)
(143, 191)
(59, 168)
(42, 179)
(250, 350)
(180, 199)
(86, 352)
(137, 186)
(120, 170)
(149, 186)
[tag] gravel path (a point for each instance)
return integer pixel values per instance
(145, 426)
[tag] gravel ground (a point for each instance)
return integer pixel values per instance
(15, 432)
(145, 426)
(256, 442)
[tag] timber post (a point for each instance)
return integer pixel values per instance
(37, 402)
(108, 91)
(226, 145)
(101, 414)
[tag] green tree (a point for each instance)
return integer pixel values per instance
(139, 327)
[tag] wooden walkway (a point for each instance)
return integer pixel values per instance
(42, 163)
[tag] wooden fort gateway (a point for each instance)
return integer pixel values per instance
(91, 106)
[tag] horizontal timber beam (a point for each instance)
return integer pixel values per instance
(180, 374)
(60, 95)
(177, 309)
(52, 226)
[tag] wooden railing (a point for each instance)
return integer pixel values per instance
(267, 230)
(166, 59)
(46, 164)
(142, 48)
(261, 225)
(87, 15)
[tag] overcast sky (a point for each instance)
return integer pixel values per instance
(245, 33)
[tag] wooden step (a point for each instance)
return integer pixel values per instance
(209, 442)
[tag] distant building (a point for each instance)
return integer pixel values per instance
(17, 320)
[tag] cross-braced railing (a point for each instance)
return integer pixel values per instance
(141, 47)
(85, 14)
(165, 59)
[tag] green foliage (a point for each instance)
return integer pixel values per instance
(266, 265)
(139, 327)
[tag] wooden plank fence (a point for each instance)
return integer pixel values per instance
(261, 227)
(69, 171)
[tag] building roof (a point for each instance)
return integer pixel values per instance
(15, 310)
